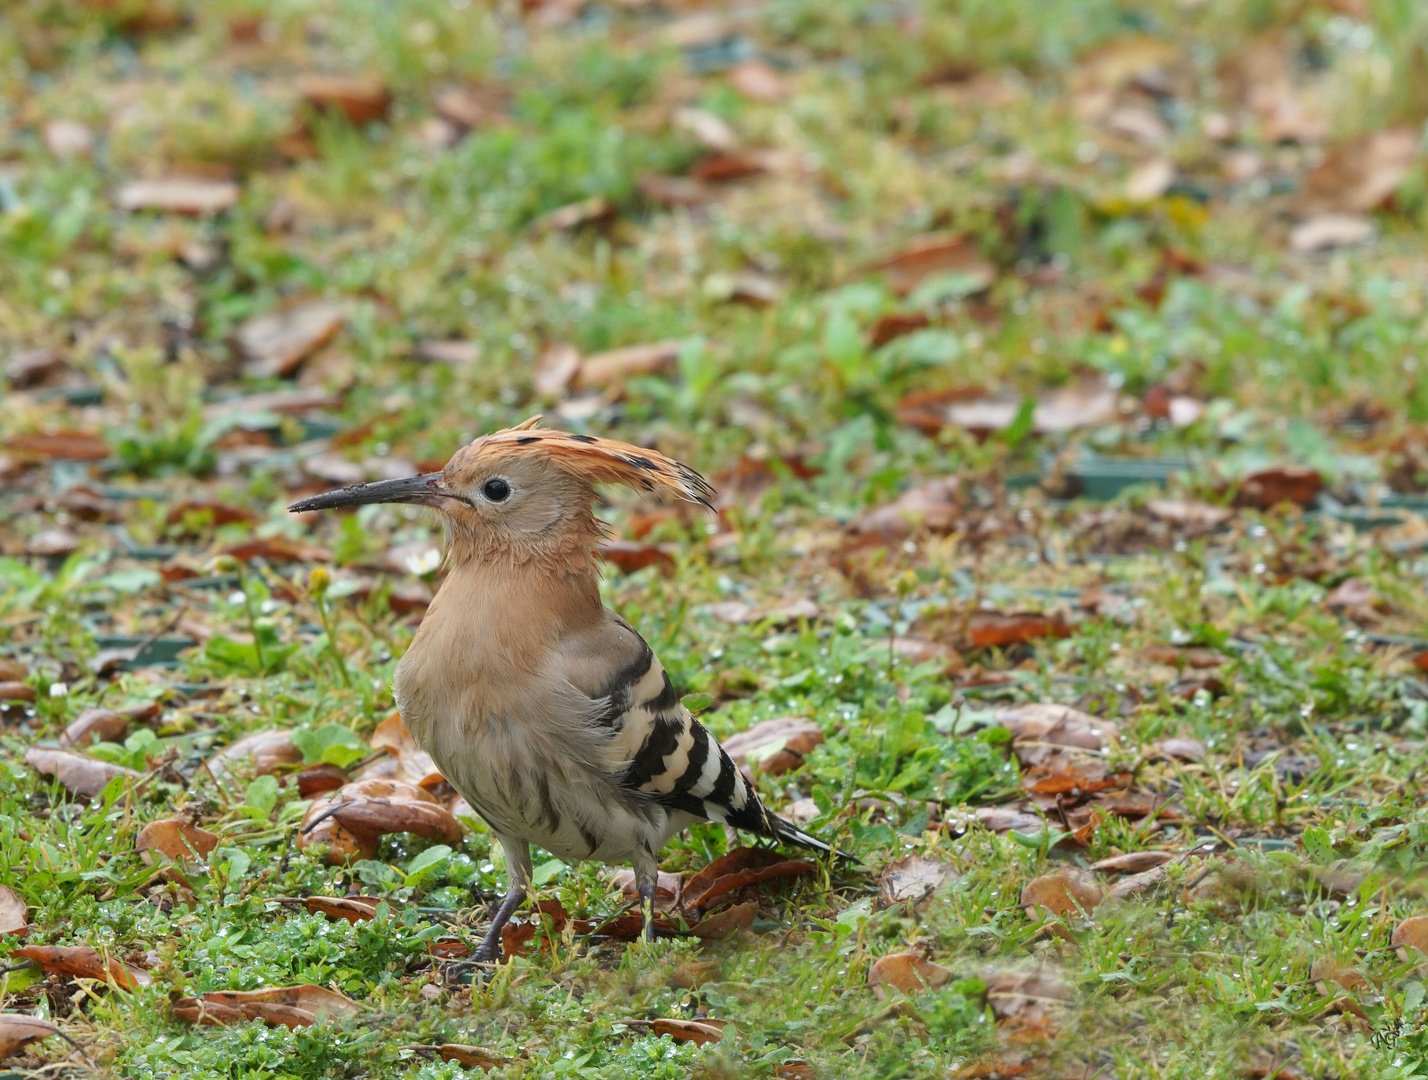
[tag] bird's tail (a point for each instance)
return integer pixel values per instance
(789, 833)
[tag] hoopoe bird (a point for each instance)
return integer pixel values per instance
(542, 707)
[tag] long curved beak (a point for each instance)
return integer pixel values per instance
(427, 490)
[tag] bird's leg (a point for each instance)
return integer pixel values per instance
(490, 947)
(646, 877)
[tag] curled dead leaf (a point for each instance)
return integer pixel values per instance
(1326, 970)
(84, 962)
(935, 255)
(14, 914)
(993, 628)
(316, 779)
(473, 1057)
(58, 445)
(1411, 933)
(78, 774)
(175, 838)
(695, 1031)
(667, 887)
(1296, 484)
(360, 99)
(912, 879)
(1133, 862)
(18, 1031)
(724, 923)
(290, 1006)
(1362, 174)
(352, 908)
(1028, 1006)
(603, 370)
(106, 725)
(17, 691)
(740, 867)
(907, 972)
(353, 818)
(255, 755)
(1067, 892)
(758, 81)
(192, 196)
(631, 555)
(1136, 884)
(414, 765)
(778, 745)
(276, 342)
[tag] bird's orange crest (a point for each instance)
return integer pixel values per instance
(597, 460)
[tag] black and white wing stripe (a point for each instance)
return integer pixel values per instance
(674, 758)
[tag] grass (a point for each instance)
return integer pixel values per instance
(1299, 837)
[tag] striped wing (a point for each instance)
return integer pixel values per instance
(671, 756)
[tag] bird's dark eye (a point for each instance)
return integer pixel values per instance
(496, 490)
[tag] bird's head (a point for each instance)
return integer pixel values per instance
(524, 489)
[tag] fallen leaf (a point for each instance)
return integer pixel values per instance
(555, 370)
(755, 290)
(1132, 862)
(740, 867)
(255, 755)
(672, 190)
(84, 962)
(725, 923)
(668, 886)
(353, 818)
(33, 367)
(360, 99)
(469, 106)
(192, 196)
(275, 343)
(285, 402)
(78, 774)
(695, 1031)
(218, 513)
(60, 445)
(917, 650)
(14, 915)
(1411, 933)
(318, 778)
(723, 168)
(796, 1070)
(1362, 174)
(473, 1057)
(758, 81)
(276, 549)
(897, 324)
(596, 210)
(17, 1031)
(935, 255)
(631, 556)
(16, 691)
(1004, 819)
(907, 972)
(352, 908)
(1067, 892)
(1325, 231)
(1296, 484)
(996, 629)
(778, 745)
(290, 1006)
(604, 370)
(1028, 1006)
(68, 139)
(1150, 180)
(1135, 884)
(53, 543)
(176, 838)
(1182, 749)
(1043, 725)
(912, 879)
(1088, 403)
(1326, 970)
(1189, 512)
(414, 765)
(711, 131)
(106, 725)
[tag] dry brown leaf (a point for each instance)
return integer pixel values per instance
(723, 168)
(352, 908)
(933, 255)
(1296, 484)
(695, 1031)
(917, 650)
(1003, 819)
(1133, 862)
(994, 628)
(78, 774)
(1182, 749)
(1038, 726)
(16, 691)
(555, 369)
(353, 818)
(219, 513)
(470, 106)
(740, 867)
(711, 131)
(667, 887)
(1028, 1006)
(672, 190)
(907, 972)
(631, 556)
(758, 81)
(414, 765)
(1189, 512)
(193, 196)
(290, 1006)
(1087, 403)
(53, 543)
(1150, 180)
(778, 745)
(256, 754)
(17, 1031)
(106, 725)
(84, 962)
(68, 139)
(287, 402)
(596, 210)
(912, 879)
(58, 445)
(176, 838)
(1325, 231)
(1362, 174)
(473, 1057)
(1411, 933)
(1072, 891)
(1325, 970)
(604, 370)
(1136, 884)
(360, 99)
(14, 914)
(724, 923)
(275, 343)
